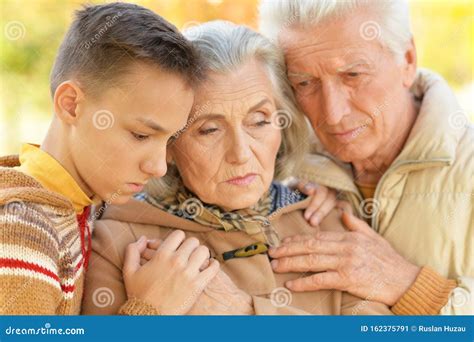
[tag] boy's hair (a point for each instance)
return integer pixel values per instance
(104, 40)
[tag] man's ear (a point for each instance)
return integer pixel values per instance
(66, 99)
(410, 65)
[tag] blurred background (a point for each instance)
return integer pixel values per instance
(33, 29)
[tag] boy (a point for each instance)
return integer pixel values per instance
(122, 85)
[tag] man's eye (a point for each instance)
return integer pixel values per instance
(303, 83)
(353, 74)
(140, 137)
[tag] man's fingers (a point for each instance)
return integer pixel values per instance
(319, 281)
(345, 206)
(306, 263)
(319, 235)
(306, 247)
(355, 224)
(132, 256)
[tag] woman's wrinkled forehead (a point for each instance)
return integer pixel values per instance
(237, 91)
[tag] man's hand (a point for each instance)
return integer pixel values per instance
(358, 261)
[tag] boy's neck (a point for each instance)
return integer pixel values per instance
(56, 144)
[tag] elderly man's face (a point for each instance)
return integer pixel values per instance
(227, 155)
(351, 88)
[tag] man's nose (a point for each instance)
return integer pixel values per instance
(335, 104)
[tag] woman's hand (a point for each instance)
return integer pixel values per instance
(223, 297)
(323, 200)
(174, 276)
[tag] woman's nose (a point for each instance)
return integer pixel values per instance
(239, 151)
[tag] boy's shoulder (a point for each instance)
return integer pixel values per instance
(16, 186)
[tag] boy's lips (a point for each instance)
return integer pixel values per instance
(136, 187)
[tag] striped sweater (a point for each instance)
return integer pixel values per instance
(43, 251)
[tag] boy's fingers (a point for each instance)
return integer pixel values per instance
(172, 242)
(148, 254)
(132, 255)
(154, 243)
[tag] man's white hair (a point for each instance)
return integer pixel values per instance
(390, 23)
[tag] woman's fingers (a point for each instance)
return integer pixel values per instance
(328, 204)
(209, 273)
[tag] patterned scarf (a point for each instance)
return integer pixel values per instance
(254, 220)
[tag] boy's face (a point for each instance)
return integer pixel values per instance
(119, 140)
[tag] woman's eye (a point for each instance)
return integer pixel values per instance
(262, 123)
(207, 131)
(140, 137)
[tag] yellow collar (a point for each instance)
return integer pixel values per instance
(52, 175)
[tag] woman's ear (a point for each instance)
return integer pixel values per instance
(66, 99)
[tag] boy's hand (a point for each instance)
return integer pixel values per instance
(173, 278)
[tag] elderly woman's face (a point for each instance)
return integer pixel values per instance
(227, 154)
(349, 86)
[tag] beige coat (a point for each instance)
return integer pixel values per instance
(425, 199)
(124, 224)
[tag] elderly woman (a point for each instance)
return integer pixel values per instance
(245, 133)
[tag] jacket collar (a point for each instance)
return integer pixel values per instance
(144, 213)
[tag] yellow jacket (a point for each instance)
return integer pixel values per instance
(423, 204)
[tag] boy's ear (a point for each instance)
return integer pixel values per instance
(66, 99)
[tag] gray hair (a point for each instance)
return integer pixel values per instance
(224, 47)
(391, 26)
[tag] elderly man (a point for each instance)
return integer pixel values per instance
(394, 141)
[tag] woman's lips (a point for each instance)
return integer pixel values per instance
(242, 181)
